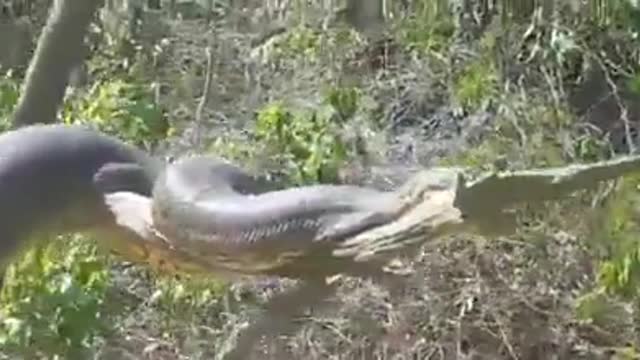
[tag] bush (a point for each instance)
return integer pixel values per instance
(308, 143)
(121, 108)
(51, 302)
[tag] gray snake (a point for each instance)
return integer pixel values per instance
(220, 217)
(48, 184)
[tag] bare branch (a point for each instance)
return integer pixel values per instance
(444, 203)
(206, 93)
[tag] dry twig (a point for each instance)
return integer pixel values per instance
(206, 93)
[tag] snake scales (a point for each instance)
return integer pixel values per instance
(206, 215)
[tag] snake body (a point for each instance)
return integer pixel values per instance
(48, 181)
(224, 219)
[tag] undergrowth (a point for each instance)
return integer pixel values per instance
(52, 301)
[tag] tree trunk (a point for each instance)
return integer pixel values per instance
(59, 49)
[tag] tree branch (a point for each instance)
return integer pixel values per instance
(443, 202)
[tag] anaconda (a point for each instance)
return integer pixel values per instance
(221, 219)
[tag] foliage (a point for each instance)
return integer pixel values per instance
(193, 292)
(121, 108)
(308, 142)
(187, 297)
(476, 84)
(620, 274)
(344, 101)
(301, 41)
(309, 46)
(426, 31)
(51, 302)
(9, 94)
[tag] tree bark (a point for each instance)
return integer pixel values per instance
(59, 49)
